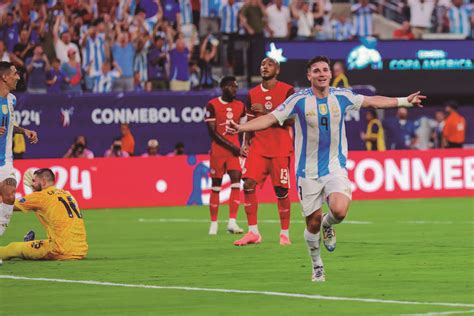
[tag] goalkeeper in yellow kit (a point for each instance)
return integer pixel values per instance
(58, 212)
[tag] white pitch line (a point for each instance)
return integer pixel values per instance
(197, 220)
(267, 293)
(436, 222)
(441, 313)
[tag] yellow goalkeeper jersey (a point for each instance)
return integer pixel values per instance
(58, 212)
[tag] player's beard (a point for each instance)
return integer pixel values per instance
(268, 78)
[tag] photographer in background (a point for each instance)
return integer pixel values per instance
(37, 67)
(116, 150)
(79, 149)
(207, 53)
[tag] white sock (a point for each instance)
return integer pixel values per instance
(232, 221)
(6, 211)
(329, 220)
(312, 240)
(285, 232)
(253, 229)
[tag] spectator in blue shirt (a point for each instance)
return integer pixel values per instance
(123, 52)
(400, 131)
(55, 78)
(170, 11)
(179, 70)
(72, 69)
(37, 67)
(11, 31)
(156, 65)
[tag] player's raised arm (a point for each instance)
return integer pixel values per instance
(257, 124)
(381, 102)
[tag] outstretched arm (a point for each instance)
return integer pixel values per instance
(257, 124)
(381, 102)
(31, 135)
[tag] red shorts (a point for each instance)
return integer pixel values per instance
(220, 165)
(258, 167)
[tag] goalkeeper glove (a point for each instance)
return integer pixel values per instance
(28, 178)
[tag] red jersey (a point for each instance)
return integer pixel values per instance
(274, 141)
(220, 112)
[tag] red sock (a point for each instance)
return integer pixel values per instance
(234, 202)
(214, 205)
(284, 207)
(251, 206)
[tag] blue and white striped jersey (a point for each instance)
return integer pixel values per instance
(7, 119)
(210, 8)
(186, 11)
(229, 15)
(320, 134)
(140, 63)
(94, 53)
(103, 82)
(460, 20)
(342, 31)
(363, 19)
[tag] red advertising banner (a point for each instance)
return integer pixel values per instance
(184, 180)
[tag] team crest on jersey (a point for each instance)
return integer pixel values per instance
(268, 105)
(5, 109)
(323, 108)
(229, 115)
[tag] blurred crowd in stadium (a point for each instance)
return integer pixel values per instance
(144, 45)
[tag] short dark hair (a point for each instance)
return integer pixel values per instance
(316, 60)
(5, 66)
(226, 80)
(46, 173)
(452, 104)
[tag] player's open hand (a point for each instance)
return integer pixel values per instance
(28, 178)
(3, 130)
(416, 99)
(231, 127)
(32, 136)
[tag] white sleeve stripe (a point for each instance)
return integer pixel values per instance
(209, 120)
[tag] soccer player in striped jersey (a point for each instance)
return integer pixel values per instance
(321, 150)
(8, 80)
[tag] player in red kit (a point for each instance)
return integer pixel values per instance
(225, 151)
(268, 152)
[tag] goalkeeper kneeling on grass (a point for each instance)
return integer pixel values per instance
(58, 212)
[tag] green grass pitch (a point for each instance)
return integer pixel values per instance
(419, 250)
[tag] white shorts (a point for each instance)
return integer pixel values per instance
(314, 192)
(6, 172)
